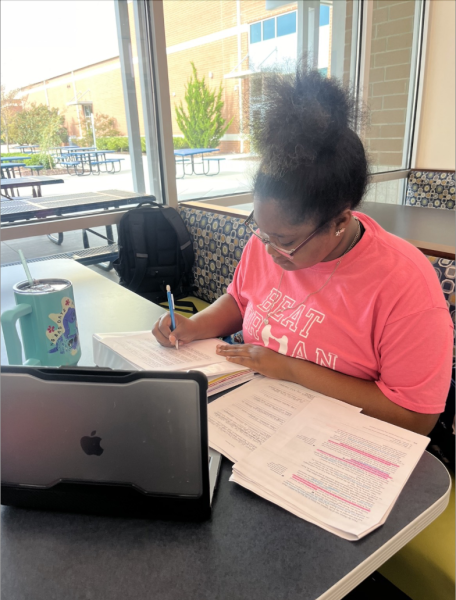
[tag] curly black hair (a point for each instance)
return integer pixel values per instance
(312, 161)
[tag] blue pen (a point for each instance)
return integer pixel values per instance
(171, 311)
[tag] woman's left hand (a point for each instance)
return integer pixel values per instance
(258, 358)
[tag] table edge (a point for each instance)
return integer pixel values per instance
(393, 545)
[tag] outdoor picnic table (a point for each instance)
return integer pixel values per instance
(92, 159)
(20, 182)
(30, 147)
(191, 153)
(71, 149)
(8, 169)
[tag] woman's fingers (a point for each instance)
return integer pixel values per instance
(161, 330)
(183, 333)
(233, 349)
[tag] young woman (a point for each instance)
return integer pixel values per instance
(325, 297)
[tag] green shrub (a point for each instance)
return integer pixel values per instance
(202, 122)
(15, 154)
(41, 159)
(180, 143)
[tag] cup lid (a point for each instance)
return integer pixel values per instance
(41, 286)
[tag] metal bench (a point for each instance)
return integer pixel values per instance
(36, 168)
(209, 161)
(89, 256)
(108, 161)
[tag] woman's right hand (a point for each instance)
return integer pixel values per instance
(185, 332)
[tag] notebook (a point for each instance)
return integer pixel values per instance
(107, 442)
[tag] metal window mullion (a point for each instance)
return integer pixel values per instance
(147, 94)
(414, 82)
(304, 24)
(129, 92)
(157, 42)
(365, 46)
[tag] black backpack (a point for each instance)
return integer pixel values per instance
(155, 250)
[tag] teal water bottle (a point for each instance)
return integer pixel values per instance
(49, 329)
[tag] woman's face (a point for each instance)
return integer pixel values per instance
(324, 246)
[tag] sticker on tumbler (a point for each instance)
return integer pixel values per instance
(64, 335)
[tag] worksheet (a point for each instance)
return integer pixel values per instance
(242, 420)
(341, 470)
(142, 350)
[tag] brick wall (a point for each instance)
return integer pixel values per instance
(392, 37)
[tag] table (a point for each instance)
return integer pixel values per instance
(34, 182)
(432, 230)
(56, 206)
(8, 169)
(30, 147)
(68, 149)
(91, 158)
(192, 152)
(250, 549)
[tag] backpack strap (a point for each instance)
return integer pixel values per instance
(136, 222)
(183, 236)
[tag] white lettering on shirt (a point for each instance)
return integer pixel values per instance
(291, 321)
(277, 314)
(300, 351)
(272, 299)
(266, 336)
(324, 361)
(314, 316)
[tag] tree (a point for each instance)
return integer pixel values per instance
(40, 125)
(203, 125)
(105, 126)
(8, 112)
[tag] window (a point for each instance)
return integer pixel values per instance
(391, 77)
(269, 29)
(86, 95)
(255, 33)
(286, 24)
(226, 53)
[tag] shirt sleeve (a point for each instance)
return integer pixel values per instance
(236, 287)
(416, 360)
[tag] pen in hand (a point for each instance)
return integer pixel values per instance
(171, 312)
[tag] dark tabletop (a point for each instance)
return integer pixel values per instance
(250, 549)
(19, 182)
(53, 206)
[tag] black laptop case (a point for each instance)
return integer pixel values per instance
(105, 442)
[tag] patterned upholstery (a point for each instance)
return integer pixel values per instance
(218, 241)
(445, 270)
(431, 189)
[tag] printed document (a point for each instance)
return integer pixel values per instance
(242, 420)
(141, 351)
(339, 469)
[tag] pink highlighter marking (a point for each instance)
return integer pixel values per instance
(316, 487)
(364, 453)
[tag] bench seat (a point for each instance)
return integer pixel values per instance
(89, 256)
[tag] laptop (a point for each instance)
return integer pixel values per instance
(107, 442)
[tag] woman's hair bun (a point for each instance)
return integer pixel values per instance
(300, 116)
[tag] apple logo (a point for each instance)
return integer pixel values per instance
(91, 445)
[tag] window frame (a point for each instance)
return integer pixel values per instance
(154, 50)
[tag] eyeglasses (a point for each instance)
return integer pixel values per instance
(249, 222)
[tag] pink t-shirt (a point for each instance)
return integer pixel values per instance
(382, 316)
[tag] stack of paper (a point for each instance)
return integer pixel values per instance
(141, 351)
(320, 459)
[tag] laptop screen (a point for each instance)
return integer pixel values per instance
(145, 432)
